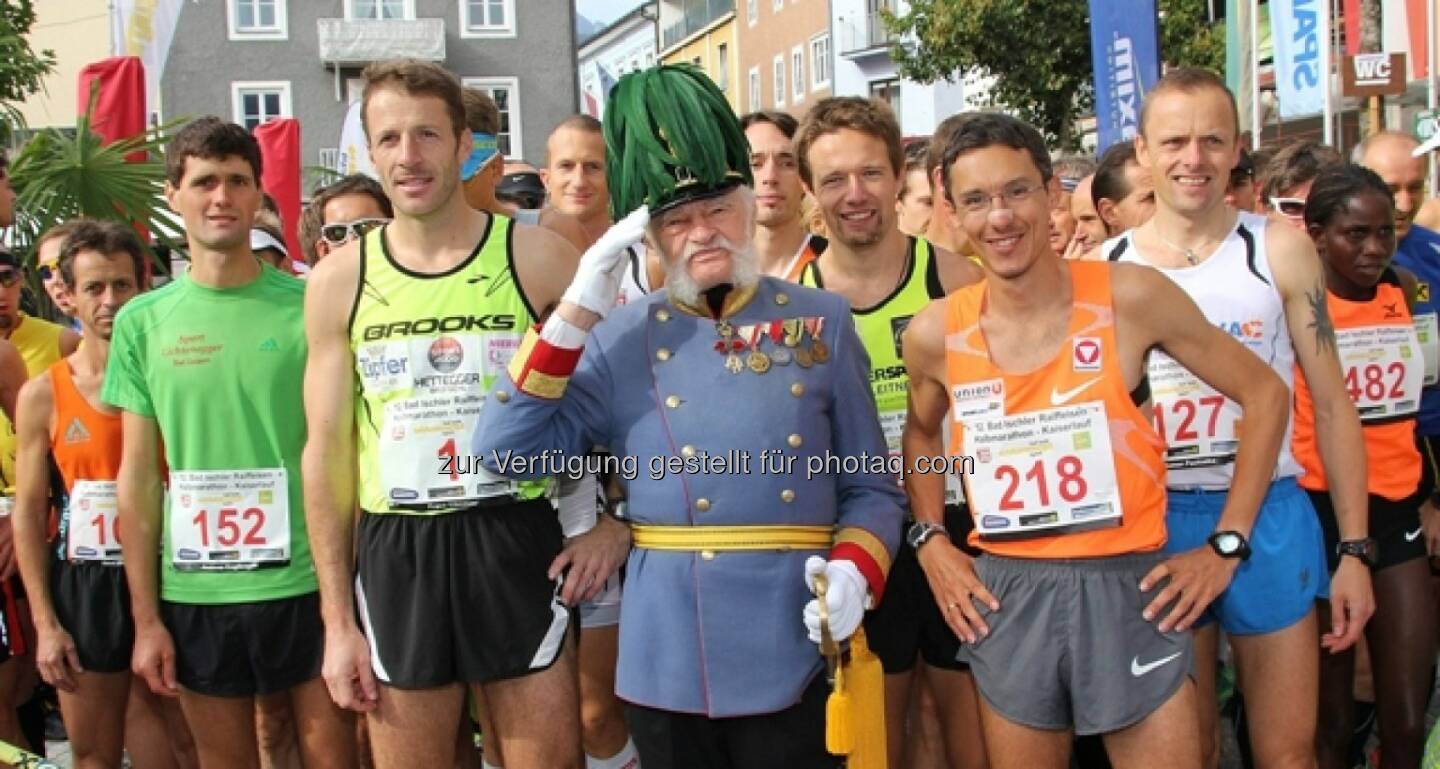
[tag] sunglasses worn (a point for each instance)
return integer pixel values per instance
(340, 233)
(1293, 208)
(47, 271)
(9, 278)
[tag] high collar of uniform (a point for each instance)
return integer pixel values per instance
(720, 304)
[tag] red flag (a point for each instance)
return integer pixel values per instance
(120, 106)
(1350, 9)
(280, 154)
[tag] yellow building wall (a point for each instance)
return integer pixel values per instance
(78, 31)
(705, 47)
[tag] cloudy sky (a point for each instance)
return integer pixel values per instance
(604, 11)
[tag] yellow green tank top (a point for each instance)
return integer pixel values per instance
(38, 342)
(880, 327)
(427, 349)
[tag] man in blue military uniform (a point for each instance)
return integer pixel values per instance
(737, 394)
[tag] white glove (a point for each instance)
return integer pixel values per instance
(845, 597)
(597, 278)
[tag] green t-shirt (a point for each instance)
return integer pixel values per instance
(220, 371)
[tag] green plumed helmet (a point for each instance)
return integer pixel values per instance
(671, 137)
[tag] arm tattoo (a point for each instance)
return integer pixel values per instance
(1320, 318)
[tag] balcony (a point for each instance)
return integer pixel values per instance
(867, 35)
(356, 42)
(683, 19)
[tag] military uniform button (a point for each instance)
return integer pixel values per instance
(673, 402)
(663, 354)
(687, 451)
(502, 396)
(708, 555)
(662, 315)
(794, 440)
(787, 496)
(782, 299)
(702, 504)
(797, 389)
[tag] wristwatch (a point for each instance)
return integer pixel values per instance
(1230, 544)
(922, 531)
(1364, 549)
(619, 510)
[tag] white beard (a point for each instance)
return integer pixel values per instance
(683, 288)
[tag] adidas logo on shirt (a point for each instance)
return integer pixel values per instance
(270, 345)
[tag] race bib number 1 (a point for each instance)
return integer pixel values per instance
(425, 459)
(93, 533)
(1197, 423)
(1427, 331)
(229, 519)
(1042, 470)
(1383, 370)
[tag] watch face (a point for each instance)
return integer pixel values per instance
(1228, 543)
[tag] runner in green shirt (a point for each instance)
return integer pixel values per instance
(213, 363)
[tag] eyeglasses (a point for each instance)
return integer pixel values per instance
(981, 202)
(1293, 208)
(340, 233)
(47, 271)
(9, 278)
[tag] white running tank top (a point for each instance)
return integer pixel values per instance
(1236, 291)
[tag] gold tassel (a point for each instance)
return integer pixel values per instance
(865, 679)
(839, 731)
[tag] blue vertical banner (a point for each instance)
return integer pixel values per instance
(1126, 57)
(1299, 81)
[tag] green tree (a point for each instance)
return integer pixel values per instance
(1037, 51)
(21, 67)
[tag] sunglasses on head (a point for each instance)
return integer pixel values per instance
(1293, 208)
(340, 233)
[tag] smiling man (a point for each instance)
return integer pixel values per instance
(1039, 372)
(715, 659)
(1264, 286)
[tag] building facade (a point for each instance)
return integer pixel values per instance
(625, 46)
(702, 33)
(786, 54)
(863, 67)
(78, 31)
(253, 60)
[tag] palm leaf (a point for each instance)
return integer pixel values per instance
(58, 177)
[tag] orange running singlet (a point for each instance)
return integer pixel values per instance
(85, 447)
(1384, 372)
(1066, 465)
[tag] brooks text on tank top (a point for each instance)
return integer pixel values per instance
(1066, 465)
(1236, 291)
(427, 349)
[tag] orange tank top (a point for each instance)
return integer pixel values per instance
(1065, 464)
(85, 442)
(1381, 362)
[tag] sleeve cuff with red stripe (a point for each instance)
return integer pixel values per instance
(867, 552)
(541, 369)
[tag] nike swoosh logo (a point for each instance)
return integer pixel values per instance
(1137, 670)
(1411, 536)
(1062, 397)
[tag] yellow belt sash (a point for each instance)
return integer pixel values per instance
(732, 538)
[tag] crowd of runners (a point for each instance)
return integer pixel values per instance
(1189, 396)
